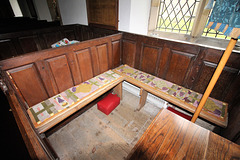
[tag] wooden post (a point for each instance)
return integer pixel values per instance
(214, 78)
(118, 90)
(200, 19)
(143, 98)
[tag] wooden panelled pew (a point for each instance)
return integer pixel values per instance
(37, 76)
(19, 43)
(182, 64)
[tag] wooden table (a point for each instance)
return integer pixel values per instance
(172, 137)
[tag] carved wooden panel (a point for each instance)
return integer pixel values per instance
(150, 59)
(178, 66)
(85, 64)
(224, 82)
(29, 83)
(116, 53)
(95, 61)
(7, 49)
(29, 43)
(103, 13)
(129, 48)
(51, 38)
(103, 57)
(61, 72)
(163, 63)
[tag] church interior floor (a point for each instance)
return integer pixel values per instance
(94, 135)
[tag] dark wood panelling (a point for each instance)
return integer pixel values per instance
(29, 43)
(34, 40)
(222, 86)
(7, 49)
(29, 83)
(150, 59)
(163, 63)
(178, 66)
(51, 38)
(182, 63)
(85, 64)
(129, 52)
(103, 57)
(70, 35)
(116, 54)
(61, 72)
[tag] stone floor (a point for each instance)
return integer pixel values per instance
(93, 135)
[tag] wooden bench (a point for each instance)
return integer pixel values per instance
(50, 112)
(214, 111)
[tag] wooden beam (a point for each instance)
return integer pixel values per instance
(153, 18)
(201, 19)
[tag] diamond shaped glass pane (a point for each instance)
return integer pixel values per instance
(177, 15)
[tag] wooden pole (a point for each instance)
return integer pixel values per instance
(214, 78)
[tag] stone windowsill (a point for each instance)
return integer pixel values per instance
(201, 41)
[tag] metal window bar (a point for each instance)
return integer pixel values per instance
(176, 16)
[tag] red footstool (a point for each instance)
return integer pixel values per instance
(109, 103)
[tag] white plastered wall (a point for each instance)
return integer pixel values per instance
(42, 10)
(73, 11)
(139, 16)
(133, 14)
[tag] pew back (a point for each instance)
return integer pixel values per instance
(39, 75)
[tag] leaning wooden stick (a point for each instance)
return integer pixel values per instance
(214, 78)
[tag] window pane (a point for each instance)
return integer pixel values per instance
(177, 16)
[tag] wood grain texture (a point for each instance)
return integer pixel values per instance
(103, 57)
(182, 64)
(61, 72)
(84, 57)
(129, 51)
(55, 70)
(103, 13)
(178, 66)
(29, 84)
(150, 57)
(181, 104)
(116, 46)
(143, 97)
(172, 137)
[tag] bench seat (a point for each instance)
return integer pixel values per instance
(214, 110)
(48, 113)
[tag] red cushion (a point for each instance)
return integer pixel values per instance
(108, 103)
(179, 113)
